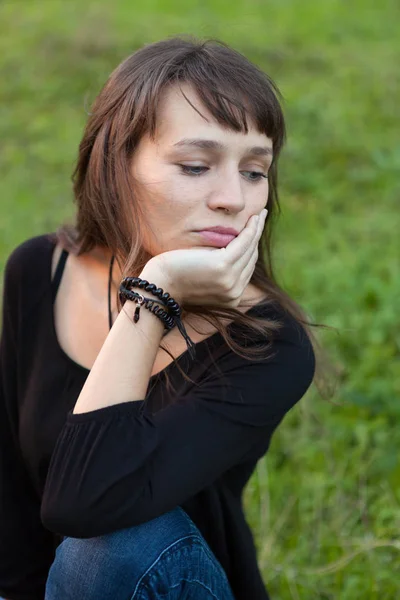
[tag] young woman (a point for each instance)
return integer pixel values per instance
(125, 443)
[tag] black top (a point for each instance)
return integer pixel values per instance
(89, 474)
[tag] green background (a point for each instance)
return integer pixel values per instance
(324, 506)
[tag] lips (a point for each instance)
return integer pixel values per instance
(214, 238)
(223, 230)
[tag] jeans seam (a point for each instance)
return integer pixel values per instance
(194, 537)
(195, 581)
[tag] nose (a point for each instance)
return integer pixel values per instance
(227, 193)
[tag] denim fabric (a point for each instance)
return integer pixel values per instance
(166, 558)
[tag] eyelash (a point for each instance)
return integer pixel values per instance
(187, 172)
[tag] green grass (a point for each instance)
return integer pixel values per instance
(324, 505)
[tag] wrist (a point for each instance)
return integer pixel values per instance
(154, 274)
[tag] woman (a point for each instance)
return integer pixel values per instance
(122, 474)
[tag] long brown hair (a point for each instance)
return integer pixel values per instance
(233, 89)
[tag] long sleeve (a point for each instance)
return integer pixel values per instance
(122, 465)
(26, 548)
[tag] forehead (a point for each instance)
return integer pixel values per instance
(177, 119)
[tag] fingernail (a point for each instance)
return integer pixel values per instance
(264, 212)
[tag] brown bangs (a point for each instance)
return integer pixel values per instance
(220, 76)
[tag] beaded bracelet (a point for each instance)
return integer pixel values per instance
(170, 318)
(149, 303)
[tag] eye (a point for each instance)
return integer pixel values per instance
(256, 175)
(188, 170)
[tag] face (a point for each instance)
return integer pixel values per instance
(184, 186)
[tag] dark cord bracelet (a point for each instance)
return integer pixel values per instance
(137, 282)
(170, 318)
(149, 303)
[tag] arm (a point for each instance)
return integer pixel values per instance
(122, 369)
(120, 465)
(26, 548)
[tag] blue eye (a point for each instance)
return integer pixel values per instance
(189, 170)
(257, 174)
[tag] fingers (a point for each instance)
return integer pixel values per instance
(240, 255)
(261, 221)
(249, 268)
(241, 248)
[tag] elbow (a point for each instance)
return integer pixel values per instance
(86, 515)
(69, 520)
(78, 520)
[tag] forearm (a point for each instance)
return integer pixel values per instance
(123, 367)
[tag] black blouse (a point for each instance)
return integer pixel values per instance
(89, 474)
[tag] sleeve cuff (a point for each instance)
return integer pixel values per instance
(107, 413)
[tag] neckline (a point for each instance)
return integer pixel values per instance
(68, 359)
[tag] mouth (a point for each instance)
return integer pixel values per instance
(223, 230)
(214, 238)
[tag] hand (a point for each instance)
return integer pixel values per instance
(209, 275)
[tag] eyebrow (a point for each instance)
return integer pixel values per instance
(214, 145)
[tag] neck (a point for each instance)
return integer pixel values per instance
(100, 259)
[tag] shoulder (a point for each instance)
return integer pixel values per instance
(29, 258)
(292, 338)
(266, 386)
(294, 359)
(289, 330)
(28, 268)
(289, 358)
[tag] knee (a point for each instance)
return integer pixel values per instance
(82, 567)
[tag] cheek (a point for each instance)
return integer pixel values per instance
(156, 196)
(257, 195)
(262, 195)
(180, 193)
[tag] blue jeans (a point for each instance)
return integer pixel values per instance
(166, 558)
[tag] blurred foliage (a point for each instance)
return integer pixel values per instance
(324, 504)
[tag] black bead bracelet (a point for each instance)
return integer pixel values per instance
(170, 318)
(149, 303)
(131, 282)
